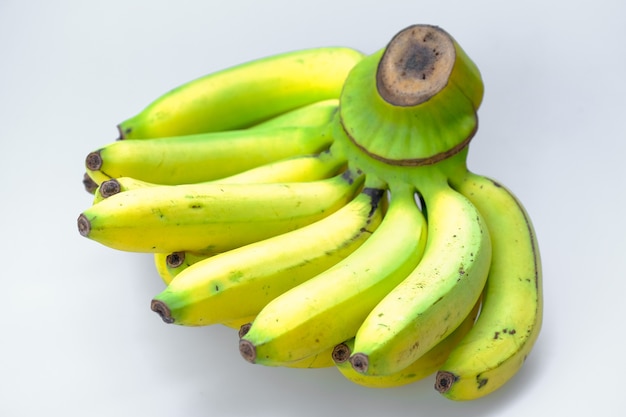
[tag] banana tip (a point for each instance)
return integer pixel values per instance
(110, 187)
(162, 310)
(247, 350)
(244, 329)
(89, 184)
(360, 362)
(444, 381)
(84, 225)
(341, 353)
(93, 161)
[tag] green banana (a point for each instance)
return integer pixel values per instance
(246, 94)
(212, 217)
(202, 157)
(511, 315)
(424, 366)
(328, 309)
(211, 290)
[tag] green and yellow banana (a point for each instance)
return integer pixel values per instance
(511, 314)
(437, 296)
(211, 291)
(424, 366)
(212, 217)
(297, 169)
(203, 157)
(328, 309)
(245, 95)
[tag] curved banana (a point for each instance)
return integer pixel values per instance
(203, 157)
(436, 297)
(424, 366)
(246, 94)
(297, 169)
(511, 315)
(212, 217)
(328, 309)
(242, 281)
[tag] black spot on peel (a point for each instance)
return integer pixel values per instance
(481, 382)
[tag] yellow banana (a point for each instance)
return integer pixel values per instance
(436, 297)
(424, 366)
(322, 359)
(242, 281)
(246, 94)
(202, 157)
(328, 309)
(212, 217)
(511, 315)
(169, 265)
(297, 169)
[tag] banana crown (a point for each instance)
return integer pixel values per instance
(414, 102)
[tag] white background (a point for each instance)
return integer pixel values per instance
(78, 336)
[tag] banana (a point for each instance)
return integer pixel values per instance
(436, 297)
(160, 263)
(322, 359)
(212, 217)
(424, 366)
(203, 157)
(328, 309)
(169, 265)
(242, 281)
(511, 315)
(316, 114)
(297, 169)
(246, 94)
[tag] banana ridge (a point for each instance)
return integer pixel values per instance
(328, 308)
(240, 282)
(511, 316)
(436, 296)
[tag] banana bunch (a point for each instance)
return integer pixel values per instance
(319, 202)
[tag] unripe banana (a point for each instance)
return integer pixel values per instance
(242, 281)
(203, 157)
(511, 315)
(246, 94)
(328, 309)
(424, 366)
(437, 296)
(212, 217)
